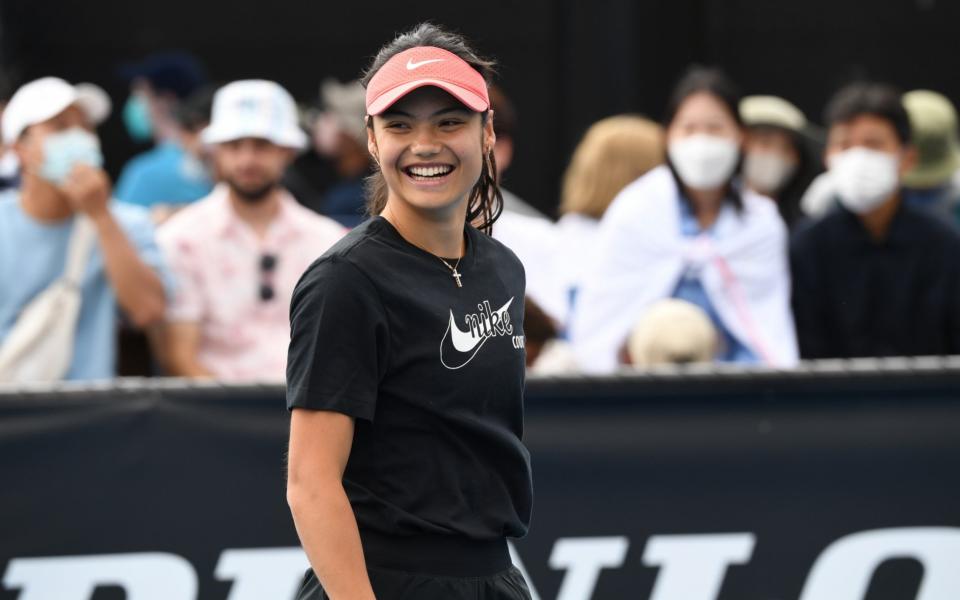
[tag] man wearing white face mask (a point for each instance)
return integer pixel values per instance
(48, 124)
(874, 277)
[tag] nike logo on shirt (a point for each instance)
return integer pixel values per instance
(482, 326)
(416, 65)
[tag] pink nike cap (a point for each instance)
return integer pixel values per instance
(423, 66)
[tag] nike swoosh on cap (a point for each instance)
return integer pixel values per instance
(416, 65)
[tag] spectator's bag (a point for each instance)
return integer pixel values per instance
(39, 347)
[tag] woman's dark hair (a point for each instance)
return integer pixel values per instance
(865, 98)
(486, 201)
(698, 79)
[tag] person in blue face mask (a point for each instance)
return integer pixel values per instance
(173, 172)
(47, 123)
(95, 106)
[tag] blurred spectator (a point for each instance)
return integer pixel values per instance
(521, 227)
(173, 171)
(539, 331)
(534, 241)
(931, 183)
(778, 161)
(96, 102)
(672, 332)
(64, 204)
(876, 276)
(238, 253)
(505, 128)
(97, 108)
(820, 196)
(340, 135)
(193, 116)
(613, 152)
(684, 230)
(9, 168)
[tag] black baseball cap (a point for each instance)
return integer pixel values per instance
(179, 73)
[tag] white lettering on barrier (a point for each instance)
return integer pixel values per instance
(259, 573)
(692, 567)
(143, 576)
(844, 570)
(583, 559)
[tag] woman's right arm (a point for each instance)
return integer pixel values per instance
(320, 443)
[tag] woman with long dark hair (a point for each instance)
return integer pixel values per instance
(689, 230)
(406, 363)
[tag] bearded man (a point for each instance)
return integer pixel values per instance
(238, 253)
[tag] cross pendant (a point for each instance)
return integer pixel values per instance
(457, 276)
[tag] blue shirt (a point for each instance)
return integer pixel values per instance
(168, 174)
(33, 255)
(345, 202)
(691, 289)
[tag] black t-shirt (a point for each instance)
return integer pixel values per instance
(433, 375)
(857, 297)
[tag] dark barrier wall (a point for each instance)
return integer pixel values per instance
(827, 485)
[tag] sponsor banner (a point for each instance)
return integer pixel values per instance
(824, 486)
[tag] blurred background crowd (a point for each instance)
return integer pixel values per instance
(684, 182)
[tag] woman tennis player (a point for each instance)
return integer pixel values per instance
(405, 378)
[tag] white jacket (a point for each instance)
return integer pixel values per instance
(641, 254)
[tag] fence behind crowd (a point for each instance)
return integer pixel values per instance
(833, 482)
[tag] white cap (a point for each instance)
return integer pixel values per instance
(254, 108)
(94, 101)
(45, 98)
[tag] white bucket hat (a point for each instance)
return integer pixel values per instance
(254, 108)
(45, 98)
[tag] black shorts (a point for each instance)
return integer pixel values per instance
(434, 567)
(389, 584)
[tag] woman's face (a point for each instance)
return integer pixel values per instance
(771, 159)
(703, 143)
(703, 113)
(431, 149)
(772, 141)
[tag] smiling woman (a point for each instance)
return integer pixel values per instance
(430, 149)
(406, 364)
(445, 64)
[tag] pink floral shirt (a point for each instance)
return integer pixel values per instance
(217, 260)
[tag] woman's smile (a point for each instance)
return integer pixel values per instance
(429, 175)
